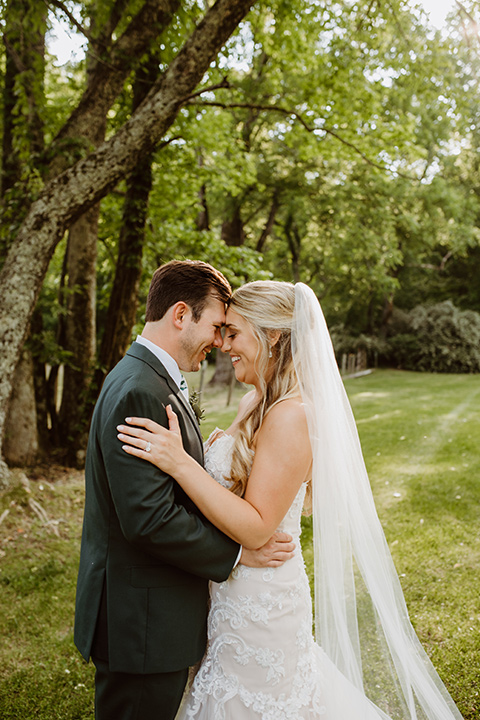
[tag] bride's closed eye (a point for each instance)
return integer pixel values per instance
(232, 335)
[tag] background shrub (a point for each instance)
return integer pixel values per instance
(439, 338)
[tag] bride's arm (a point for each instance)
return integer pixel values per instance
(281, 463)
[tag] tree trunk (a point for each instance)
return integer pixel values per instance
(203, 219)
(123, 303)
(23, 97)
(223, 370)
(80, 327)
(10, 171)
(233, 233)
(21, 440)
(387, 312)
(24, 39)
(79, 330)
(294, 244)
(52, 374)
(40, 383)
(274, 207)
(67, 196)
(81, 265)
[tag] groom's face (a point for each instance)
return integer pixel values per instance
(198, 338)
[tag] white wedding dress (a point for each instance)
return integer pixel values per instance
(262, 662)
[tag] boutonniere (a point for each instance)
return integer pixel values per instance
(194, 400)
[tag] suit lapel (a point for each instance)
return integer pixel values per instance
(188, 407)
(142, 353)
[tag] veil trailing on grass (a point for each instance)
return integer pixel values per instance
(361, 618)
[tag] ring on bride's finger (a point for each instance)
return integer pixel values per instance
(148, 446)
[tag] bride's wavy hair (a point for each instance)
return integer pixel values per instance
(268, 308)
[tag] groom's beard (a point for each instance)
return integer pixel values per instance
(193, 353)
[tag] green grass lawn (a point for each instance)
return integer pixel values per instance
(420, 434)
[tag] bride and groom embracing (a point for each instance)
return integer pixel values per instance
(164, 515)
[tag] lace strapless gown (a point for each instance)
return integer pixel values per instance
(262, 662)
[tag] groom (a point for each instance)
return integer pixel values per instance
(147, 553)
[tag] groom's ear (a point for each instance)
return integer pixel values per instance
(180, 312)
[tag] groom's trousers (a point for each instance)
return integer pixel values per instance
(125, 696)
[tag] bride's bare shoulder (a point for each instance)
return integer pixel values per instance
(289, 410)
(284, 431)
(286, 421)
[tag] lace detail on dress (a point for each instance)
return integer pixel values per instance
(218, 455)
(262, 662)
(259, 623)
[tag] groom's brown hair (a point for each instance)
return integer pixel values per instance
(190, 281)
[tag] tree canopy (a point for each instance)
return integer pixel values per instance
(337, 144)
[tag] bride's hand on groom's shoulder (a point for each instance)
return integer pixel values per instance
(274, 553)
(150, 441)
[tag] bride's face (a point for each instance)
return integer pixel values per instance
(242, 346)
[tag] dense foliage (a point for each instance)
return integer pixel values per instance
(439, 338)
(334, 144)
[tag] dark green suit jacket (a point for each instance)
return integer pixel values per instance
(143, 539)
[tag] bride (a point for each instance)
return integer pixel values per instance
(294, 443)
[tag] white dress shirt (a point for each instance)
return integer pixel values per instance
(167, 361)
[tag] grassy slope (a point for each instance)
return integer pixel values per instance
(420, 438)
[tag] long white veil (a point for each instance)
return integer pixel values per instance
(361, 618)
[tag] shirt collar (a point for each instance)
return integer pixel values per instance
(167, 360)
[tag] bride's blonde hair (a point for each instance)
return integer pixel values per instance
(268, 308)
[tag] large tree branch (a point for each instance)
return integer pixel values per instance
(430, 266)
(307, 126)
(463, 10)
(115, 17)
(95, 42)
(67, 196)
(19, 64)
(108, 77)
(472, 29)
(64, 9)
(399, 26)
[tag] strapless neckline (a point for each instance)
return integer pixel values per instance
(217, 434)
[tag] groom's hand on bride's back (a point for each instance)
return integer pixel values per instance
(274, 553)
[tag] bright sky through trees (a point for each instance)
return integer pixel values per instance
(66, 45)
(437, 10)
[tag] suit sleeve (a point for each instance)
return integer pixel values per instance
(144, 498)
